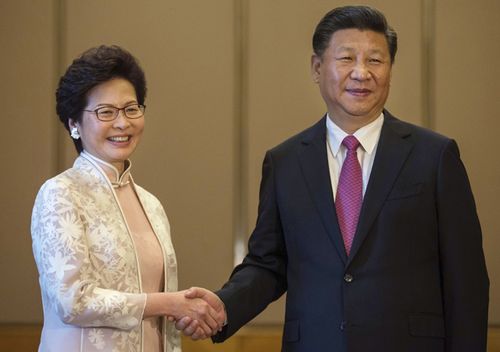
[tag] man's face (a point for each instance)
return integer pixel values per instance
(354, 75)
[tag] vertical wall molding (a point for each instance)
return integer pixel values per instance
(59, 65)
(240, 149)
(428, 63)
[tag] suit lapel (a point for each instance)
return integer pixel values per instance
(314, 164)
(393, 149)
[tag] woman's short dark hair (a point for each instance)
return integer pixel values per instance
(95, 66)
(358, 17)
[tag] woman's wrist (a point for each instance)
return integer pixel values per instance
(159, 304)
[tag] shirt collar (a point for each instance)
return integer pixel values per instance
(367, 136)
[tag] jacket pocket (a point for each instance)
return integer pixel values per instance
(406, 191)
(291, 331)
(426, 325)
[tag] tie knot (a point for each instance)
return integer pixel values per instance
(351, 143)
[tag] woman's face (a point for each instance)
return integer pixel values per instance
(112, 141)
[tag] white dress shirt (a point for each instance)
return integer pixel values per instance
(368, 137)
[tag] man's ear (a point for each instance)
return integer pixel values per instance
(315, 67)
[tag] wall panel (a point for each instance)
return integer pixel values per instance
(186, 156)
(467, 108)
(27, 149)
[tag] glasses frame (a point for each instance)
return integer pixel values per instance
(142, 107)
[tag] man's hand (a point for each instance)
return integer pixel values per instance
(191, 327)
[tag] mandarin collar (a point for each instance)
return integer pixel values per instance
(118, 180)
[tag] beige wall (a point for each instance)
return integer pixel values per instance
(185, 158)
(227, 80)
(27, 154)
(468, 107)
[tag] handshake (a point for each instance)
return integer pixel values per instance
(198, 313)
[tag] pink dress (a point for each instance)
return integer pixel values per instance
(150, 258)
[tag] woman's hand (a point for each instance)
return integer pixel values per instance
(188, 326)
(204, 320)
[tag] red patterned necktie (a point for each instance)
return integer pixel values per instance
(349, 193)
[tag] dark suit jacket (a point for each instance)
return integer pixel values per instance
(415, 280)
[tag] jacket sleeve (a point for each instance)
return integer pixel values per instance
(465, 281)
(261, 277)
(61, 255)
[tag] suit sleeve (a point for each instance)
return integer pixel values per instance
(465, 281)
(261, 277)
(61, 254)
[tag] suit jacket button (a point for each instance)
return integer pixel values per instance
(342, 325)
(348, 278)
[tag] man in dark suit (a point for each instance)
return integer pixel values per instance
(367, 222)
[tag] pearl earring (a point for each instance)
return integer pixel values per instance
(74, 133)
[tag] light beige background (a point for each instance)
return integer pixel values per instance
(227, 80)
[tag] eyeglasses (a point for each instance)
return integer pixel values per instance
(109, 113)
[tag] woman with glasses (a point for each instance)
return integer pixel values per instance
(102, 243)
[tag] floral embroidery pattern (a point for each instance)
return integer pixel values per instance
(96, 337)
